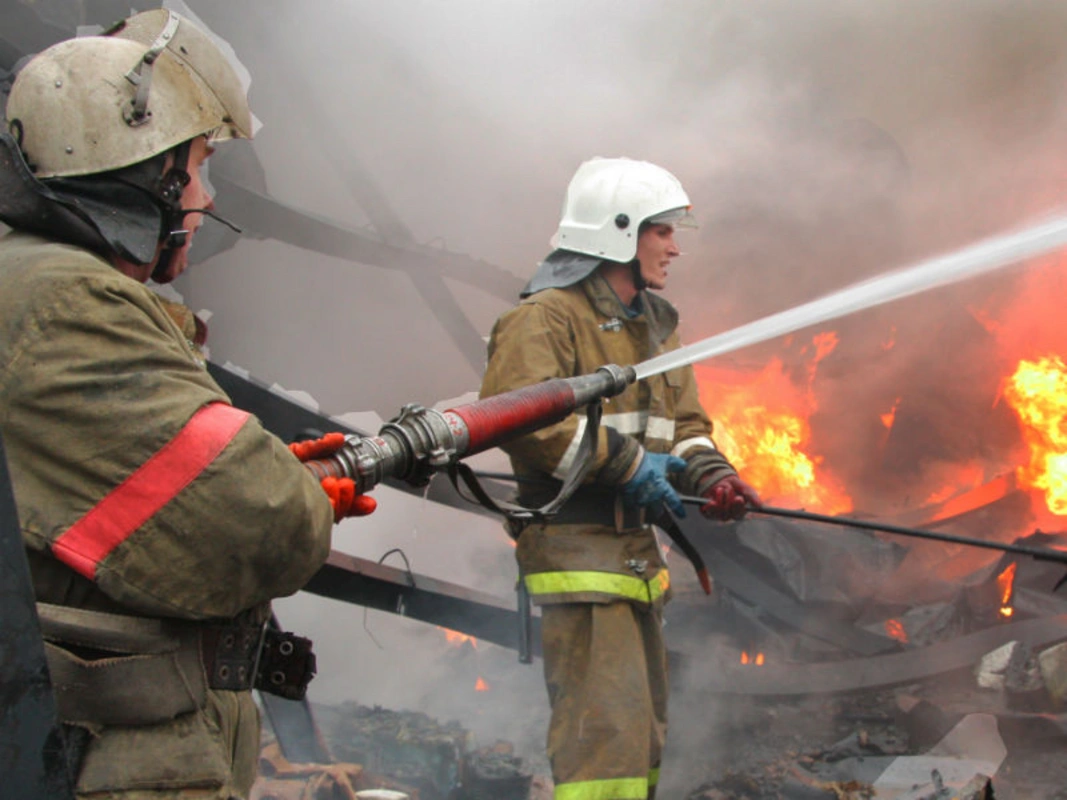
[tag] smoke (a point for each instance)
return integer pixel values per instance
(820, 142)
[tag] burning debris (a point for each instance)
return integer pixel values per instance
(377, 753)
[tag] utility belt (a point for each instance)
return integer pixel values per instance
(113, 669)
(595, 505)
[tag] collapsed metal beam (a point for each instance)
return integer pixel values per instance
(721, 551)
(881, 671)
(368, 583)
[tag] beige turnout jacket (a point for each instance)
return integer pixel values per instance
(565, 332)
(140, 490)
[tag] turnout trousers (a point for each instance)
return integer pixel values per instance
(606, 673)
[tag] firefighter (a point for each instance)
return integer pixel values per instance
(596, 570)
(159, 521)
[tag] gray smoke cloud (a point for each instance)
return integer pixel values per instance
(820, 142)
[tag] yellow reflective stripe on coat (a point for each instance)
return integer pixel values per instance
(613, 583)
(617, 789)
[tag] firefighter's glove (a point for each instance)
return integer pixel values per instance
(729, 498)
(649, 488)
(318, 448)
(346, 501)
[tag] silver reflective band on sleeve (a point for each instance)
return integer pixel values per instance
(567, 460)
(639, 422)
(686, 445)
(630, 422)
(660, 428)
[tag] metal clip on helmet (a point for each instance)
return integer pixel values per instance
(609, 198)
(99, 103)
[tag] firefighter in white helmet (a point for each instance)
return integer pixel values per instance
(159, 521)
(595, 569)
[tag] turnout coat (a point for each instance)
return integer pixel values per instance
(570, 331)
(144, 494)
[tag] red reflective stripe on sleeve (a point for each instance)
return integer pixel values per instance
(155, 483)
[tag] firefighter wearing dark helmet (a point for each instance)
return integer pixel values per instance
(159, 521)
(596, 569)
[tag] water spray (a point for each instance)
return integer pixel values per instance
(977, 259)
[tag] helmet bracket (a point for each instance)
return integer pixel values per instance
(137, 113)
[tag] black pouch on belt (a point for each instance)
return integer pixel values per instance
(261, 656)
(286, 664)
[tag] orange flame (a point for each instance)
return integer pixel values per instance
(1037, 392)
(890, 416)
(1006, 585)
(480, 685)
(895, 629)
(455, 637)
(756, 660)
(761, 425)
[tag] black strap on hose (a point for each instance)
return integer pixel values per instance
(583, 462)
(668, 524)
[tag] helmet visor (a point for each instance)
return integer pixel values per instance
(678, 217)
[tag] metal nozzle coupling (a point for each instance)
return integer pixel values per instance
(621, 377)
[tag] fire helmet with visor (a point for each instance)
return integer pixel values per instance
(607, 202)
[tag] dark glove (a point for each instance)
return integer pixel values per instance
(344, 498)
(648, 487)
(729, 498)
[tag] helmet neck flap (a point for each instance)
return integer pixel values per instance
(126, 212)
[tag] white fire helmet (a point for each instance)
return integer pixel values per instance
(99, 103)
(609, 198)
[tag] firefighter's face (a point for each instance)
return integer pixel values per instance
(196, 195)
(655, 249)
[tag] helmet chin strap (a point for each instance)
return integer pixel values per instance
(639, 280)
(174, 234)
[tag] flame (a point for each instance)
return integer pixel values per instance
(756, 660)
(895, 629)
(1006, 585)
(761, 426)
(890, 416)
(480, 685)
(455, 637)
(1037, 392)
(957, 503)
(824, 345)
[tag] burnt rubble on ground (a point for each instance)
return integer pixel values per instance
(950, 686)
(411, 752)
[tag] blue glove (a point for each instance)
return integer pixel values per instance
(649, 486)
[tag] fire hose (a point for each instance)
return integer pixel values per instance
(421, 441)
